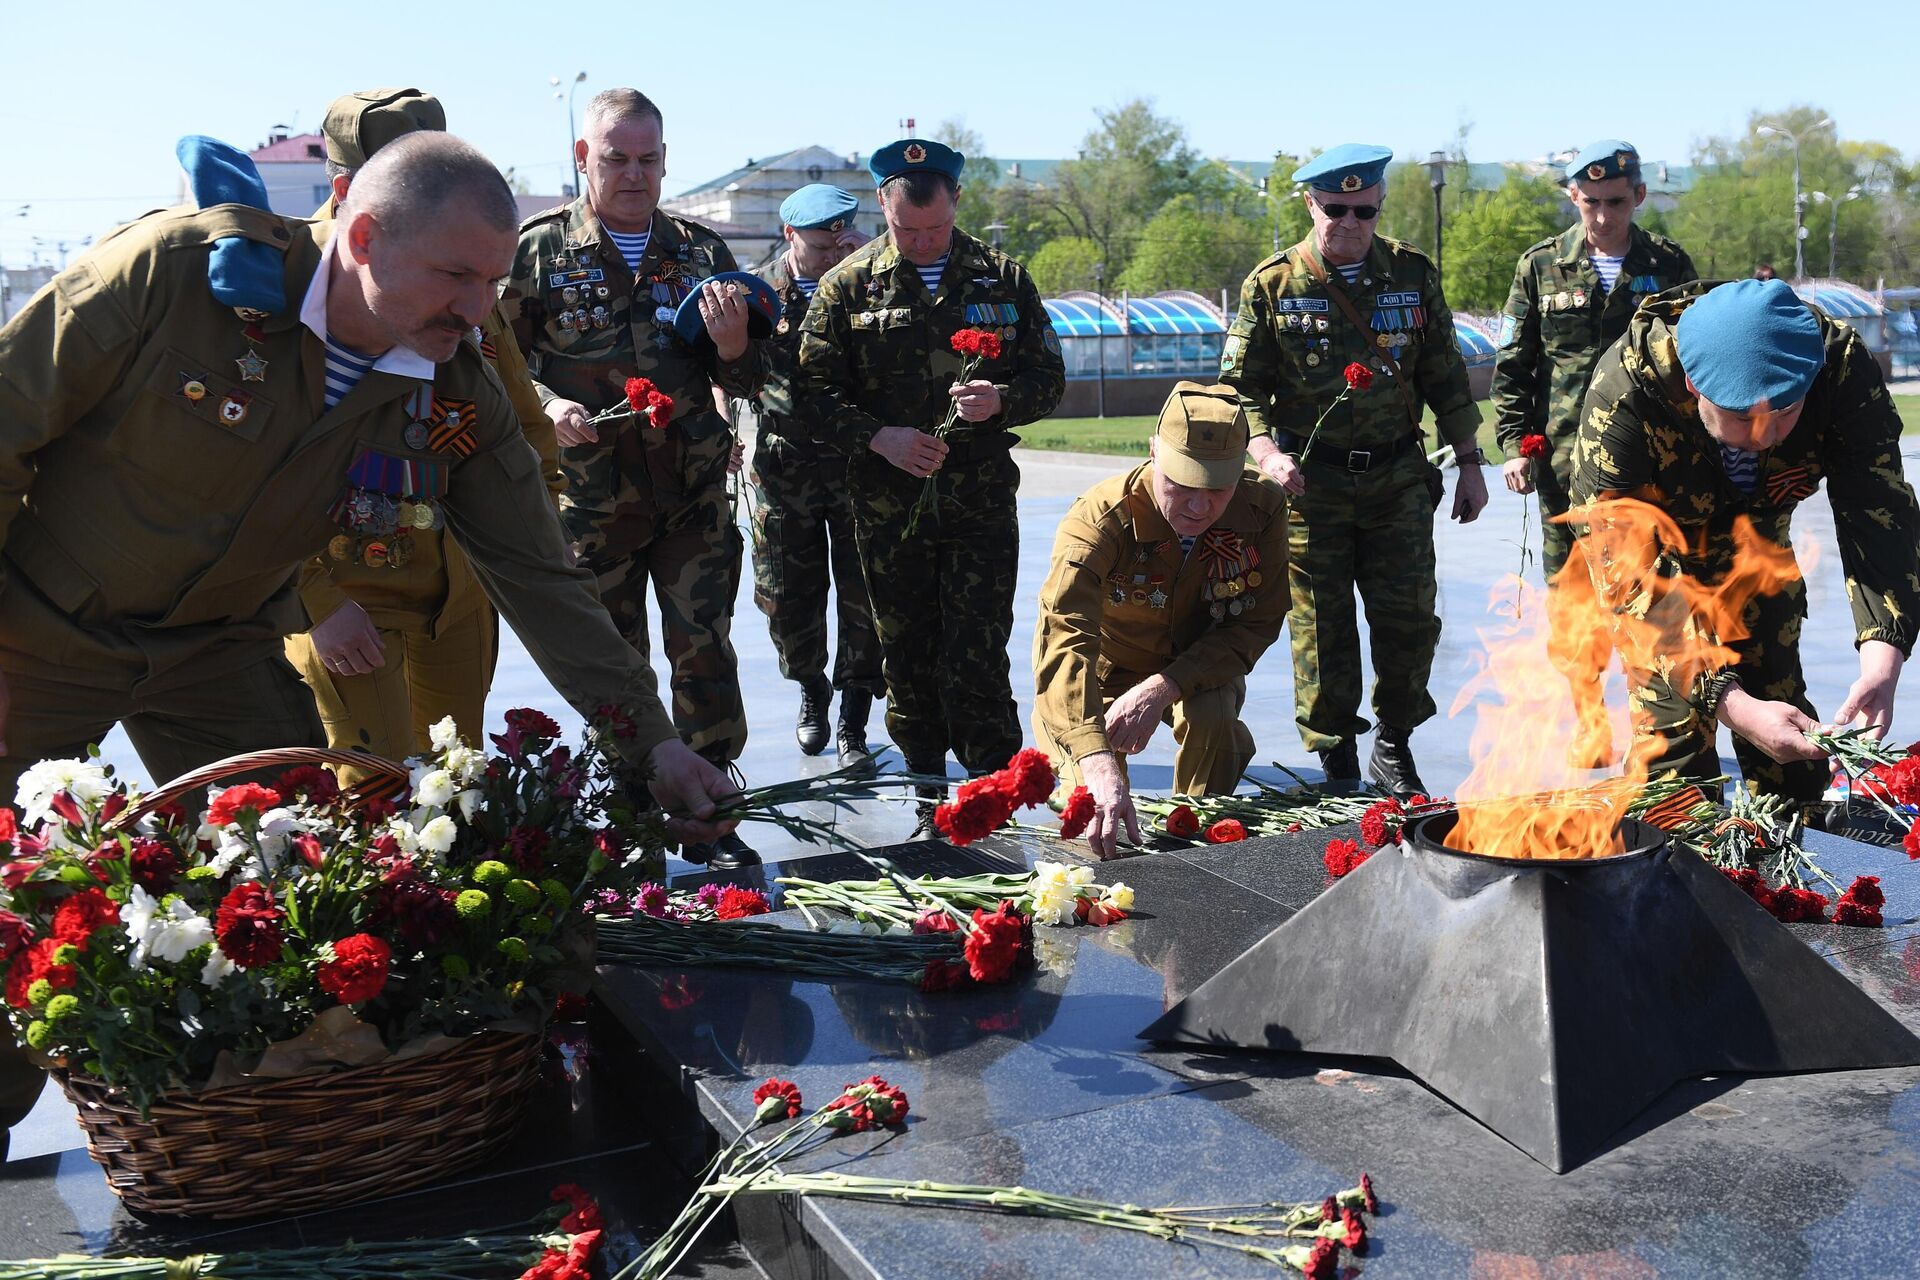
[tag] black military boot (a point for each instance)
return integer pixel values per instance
(816, 695)
(1341, 763)
(1391, 764)
(728, 853)
(851, 738)
(929, 798)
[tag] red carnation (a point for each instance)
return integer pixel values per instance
(1182, 821)
(1370, 1201)
(358, 970)
(1860, 904)
(9, 824)
(584, 1214)
(1358, 376)
(1031, 778)
(227, 806)
(1226, 831)
(1329, 1210)
(645, 398)
(155, 865)
(1323, 1263)
(75, 919)
(1376, 825)
(1356, 1237)
(1343, 856)
(982, 344)
(1798, 906)
(318, 785)
(993, 944)
(737, 903)
(247, 925)
(886, 1102)
(34, 964)
(533, 724)
(1865, 890)
(943, 975)
(420, 914)
(1753, 884)
(1075, 818)
(785, 1090)
(979, 808)
(15, 936)
(1912, 843)
(1534, 446)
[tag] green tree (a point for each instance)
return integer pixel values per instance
(978, 181)
(1186, 246)
(1063, 264)
(1126, 170)
(1489, 232)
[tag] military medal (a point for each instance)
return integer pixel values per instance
(400, 552)
(565, 321)
(340, 547)
(601, 291)
(233, 409)
(374, 554)
(1253, 578)
(1579, 297)
(1313, 357)
(600, 318)
(1218, 610)
(415, 434)
(252, 367)
(424, 516)
(1157, 598)
(1118, 595)
(663, 315)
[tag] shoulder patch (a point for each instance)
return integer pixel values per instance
(554, 214)
(1509, 329)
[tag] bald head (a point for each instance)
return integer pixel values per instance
(409, 184)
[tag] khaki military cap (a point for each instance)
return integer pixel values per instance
(1202, 436)
(361, 123)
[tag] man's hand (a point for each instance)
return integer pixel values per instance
(1777, 728)
(724, 308)
(1135, 714)
(1518, 473)
(851, 238)
(687, 785)
(348, 643)
(1469, 493)
(569, 419)
(738, 457)
(1113, 810)
(914, 452)
(978, 400)
(1870, 700)
(1284, 470)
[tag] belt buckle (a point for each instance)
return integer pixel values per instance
(1359, 460)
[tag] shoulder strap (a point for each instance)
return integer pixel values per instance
(1325, 280)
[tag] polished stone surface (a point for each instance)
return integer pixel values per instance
(1763, 1177)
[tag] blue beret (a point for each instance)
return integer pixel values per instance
(818, 207)
(1750, 341)
(1607, 158)
(243, 273)
(1351, 166)
(910, 154)
(763, 304)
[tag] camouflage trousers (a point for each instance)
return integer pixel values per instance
(1373, 532)
(1212, 745)
(1669, 734)
(690, 554)
(943, 607)
(802, 535)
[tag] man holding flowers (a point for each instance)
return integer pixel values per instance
(1168, 583)
(895, 360)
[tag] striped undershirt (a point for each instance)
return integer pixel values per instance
(805, 286)
(1186, 544)
(1351, 270)
(1608, 269)
(345, 368)
(632, 248)
(1743, 468)
(931, 273)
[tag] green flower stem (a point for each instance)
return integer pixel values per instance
(644, 941)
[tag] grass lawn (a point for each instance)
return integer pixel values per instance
(1129, 435)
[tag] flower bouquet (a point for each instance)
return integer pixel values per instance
(296, 964)
(974, 347)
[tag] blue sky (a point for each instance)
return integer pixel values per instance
(97, 94)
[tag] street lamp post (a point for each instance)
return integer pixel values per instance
(573, 134)
(1799, 200)
(996, 230)
(1437, 174)
(1100, 332)
(1833, 225)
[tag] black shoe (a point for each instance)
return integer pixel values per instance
(1341, 763)
(1391, 764)
(811, 730)
(925, 828)
(851, 739)
(728, 853)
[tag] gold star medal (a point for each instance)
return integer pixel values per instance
(252, 367)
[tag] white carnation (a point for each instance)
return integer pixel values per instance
(434, 789)
(217, 968)
(438, 836)
(84, 780)
(444, 734)
(165, 932)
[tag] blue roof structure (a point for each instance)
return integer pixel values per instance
(1081, 315)
(1173, 314)
(1839, 299)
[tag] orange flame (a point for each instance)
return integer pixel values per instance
(1523, 798)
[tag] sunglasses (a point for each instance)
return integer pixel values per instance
(1364, 212)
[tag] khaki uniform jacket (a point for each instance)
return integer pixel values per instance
(437, 587)
(1121, 600)
(150, 534)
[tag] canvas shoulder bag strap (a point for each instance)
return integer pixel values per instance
(1325, 280)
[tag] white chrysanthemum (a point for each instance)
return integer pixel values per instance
(84, 780)
(166, 932)
(444, 734)
(229, 848)
(437, 836)
(466, 764)
(434, 789)
(217, 969)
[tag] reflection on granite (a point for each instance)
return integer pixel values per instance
(1043, 1084)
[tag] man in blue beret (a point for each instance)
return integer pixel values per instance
(1571, 299)
(803, 518)
(1364, 493)
(876, 354)
(1722, 408)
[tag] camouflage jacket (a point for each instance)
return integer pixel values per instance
(1640, 436)
(1122, 598)
(1290, 344)
(1557, 322)
(776, 399)
(874, 350)
(587, 324)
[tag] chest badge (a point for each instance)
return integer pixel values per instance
(233, 409)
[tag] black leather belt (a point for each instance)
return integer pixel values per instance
(1356, 461)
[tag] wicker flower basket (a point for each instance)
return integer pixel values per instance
(330, 1138)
